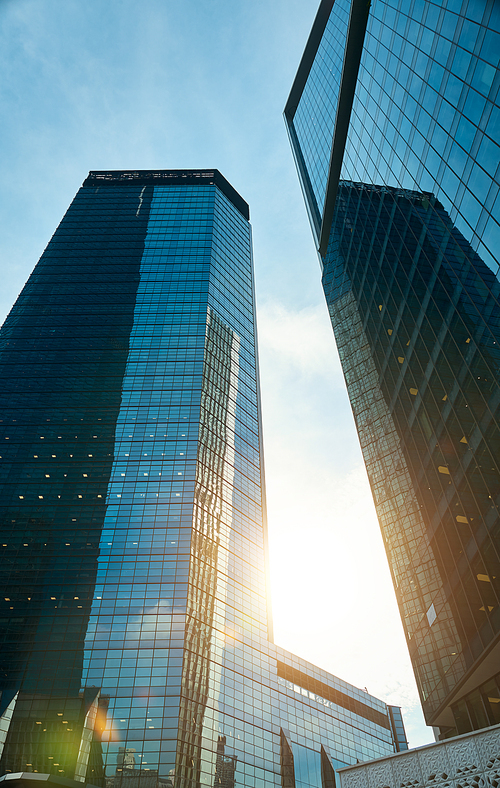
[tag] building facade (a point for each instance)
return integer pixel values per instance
(393, 119)
(136, 643)
(470, 759)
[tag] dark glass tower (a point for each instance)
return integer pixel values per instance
(135, 637)
(394, 120)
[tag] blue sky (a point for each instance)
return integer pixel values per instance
(111, 84)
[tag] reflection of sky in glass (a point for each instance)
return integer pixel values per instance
(188, 278)
(425, 113)
(146, 537)
(434, 132)
(307, 765)
(315, 116)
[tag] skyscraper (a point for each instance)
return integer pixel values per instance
(393, 119)
(136, 648)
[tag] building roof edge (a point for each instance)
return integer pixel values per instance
(170, 177)
(307, 60)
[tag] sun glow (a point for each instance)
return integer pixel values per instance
(332, 597)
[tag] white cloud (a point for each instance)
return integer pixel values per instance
(300, 341)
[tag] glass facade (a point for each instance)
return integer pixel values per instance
(410, 273)
(135, 635)
(314, 118)
(480, 708)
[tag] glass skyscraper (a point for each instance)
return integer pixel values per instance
(136, 646)
(394, 123)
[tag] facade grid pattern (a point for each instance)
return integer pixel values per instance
(135, 631)
(411, 281)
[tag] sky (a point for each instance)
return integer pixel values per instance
(114, 84)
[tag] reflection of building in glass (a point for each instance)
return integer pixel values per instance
(57, 741)
(128, 773)
(225, 766)
(404, 95)
(136, 650)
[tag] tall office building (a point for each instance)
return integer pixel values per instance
(394, 122)
(135, 640)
